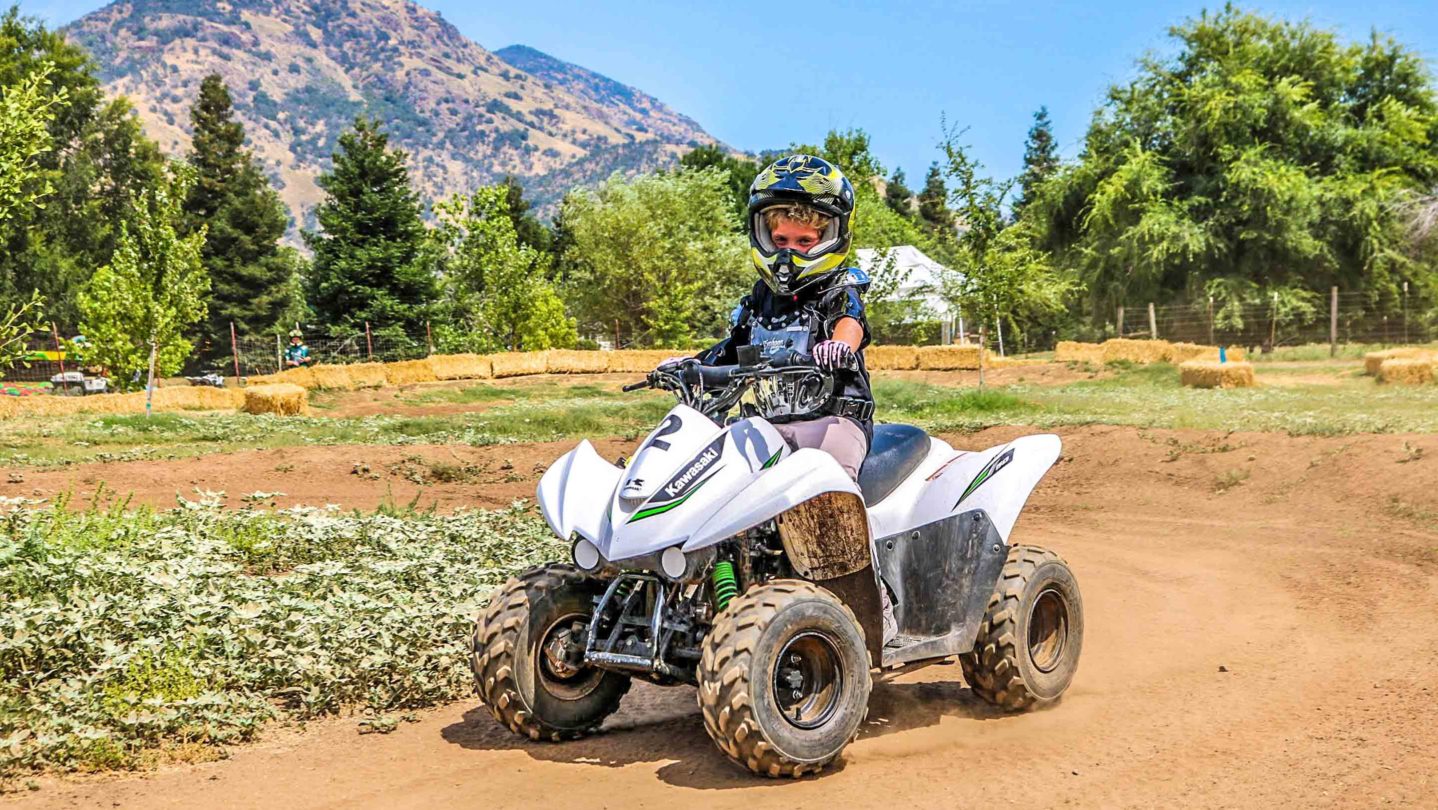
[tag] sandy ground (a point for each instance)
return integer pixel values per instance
(1260, 632)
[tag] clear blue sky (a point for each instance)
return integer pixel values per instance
(764, 74)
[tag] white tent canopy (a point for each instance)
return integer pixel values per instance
(922, 276)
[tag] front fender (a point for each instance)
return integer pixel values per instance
(802, 475)
(574, 493)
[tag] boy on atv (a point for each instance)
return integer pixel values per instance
(807, 301)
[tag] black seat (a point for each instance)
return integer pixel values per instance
(894, 453)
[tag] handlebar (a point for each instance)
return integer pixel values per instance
(691, 372)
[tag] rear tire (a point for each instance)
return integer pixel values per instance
(1028, 645)
(784, 679)
(534, 694)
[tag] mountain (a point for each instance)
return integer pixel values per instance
(300, 70)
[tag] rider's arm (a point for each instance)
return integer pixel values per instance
(849, 330)
(725, 352)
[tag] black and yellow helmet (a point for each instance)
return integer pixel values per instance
(818, 184)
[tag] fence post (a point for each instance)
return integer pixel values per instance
(983, 341)
(235, 350)
(1405, 312)
(368, 342)
(1210, 321)
(279, 354)
(60, 354)
(150, 380)
(428, 337)
(999, 325)
(1152, 322)
(1333, 322)
(1120, 321)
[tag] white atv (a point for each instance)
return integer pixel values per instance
(719, 557)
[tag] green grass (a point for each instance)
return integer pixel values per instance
(1143, 396)
(1320, 351)
(568, 412)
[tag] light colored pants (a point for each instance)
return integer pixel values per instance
(839, 437)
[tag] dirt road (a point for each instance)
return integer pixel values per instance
(1262, 630)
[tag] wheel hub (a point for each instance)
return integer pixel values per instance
(808, 680)
(1048, 630)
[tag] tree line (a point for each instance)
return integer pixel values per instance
(1261, 161)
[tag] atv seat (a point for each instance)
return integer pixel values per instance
(894, 453)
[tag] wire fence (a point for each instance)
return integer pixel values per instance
(1341, 318)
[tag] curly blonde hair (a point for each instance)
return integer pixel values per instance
(797, 213)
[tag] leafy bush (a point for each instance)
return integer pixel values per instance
(123, 632)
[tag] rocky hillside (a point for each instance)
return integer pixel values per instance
(300, 70)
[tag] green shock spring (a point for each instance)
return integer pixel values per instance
(726, 587)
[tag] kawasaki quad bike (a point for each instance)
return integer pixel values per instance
(719, 557)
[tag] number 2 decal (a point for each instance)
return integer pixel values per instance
(671, 425)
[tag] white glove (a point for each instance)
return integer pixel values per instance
(832, 354)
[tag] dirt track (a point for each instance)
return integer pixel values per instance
(1312, 579)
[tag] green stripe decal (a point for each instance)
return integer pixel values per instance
(774, 459)
(662, 508)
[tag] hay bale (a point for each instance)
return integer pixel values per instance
(1373, 361)
(1141, 352)
(565, 361)
(1206, 374)
(517, 364)
(262, 379)
(891, 358)
(283, 399)
(948, 358)
(1072, 351)
(1180, 353)
(642, 361)
(409, 372)
(304, 377)
(332, 378)
(195, 398)
(366, 375)
(462, 366)
(1236, 354)
(1406, 370)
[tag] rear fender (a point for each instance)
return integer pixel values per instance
(997, 481)
(574, 493)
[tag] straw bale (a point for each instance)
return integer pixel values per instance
(948, 358)
(462, 366)
(366, 375)
(284, 399)
(642, 361)
(304, 377)
(891, 358)
(409, 372)
(516, 364)
(1072, 351)
(1141, 352)
(262, 379)
(195, 398)
(1374, 360)
(1406, 370)
(1205, 374)
(1180, 353)
(565, 361)
(1236, 354)
(332, 377)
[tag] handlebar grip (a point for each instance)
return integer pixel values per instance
(635, 386)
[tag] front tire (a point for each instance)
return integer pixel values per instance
(1028, 645)
(784, 679)
(520, 670)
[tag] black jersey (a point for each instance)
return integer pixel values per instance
(800, 322)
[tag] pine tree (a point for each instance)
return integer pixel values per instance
(530, 231)
(1041, 157)
(934, 201)
(249, 271)
(898, 196)
(369, 253)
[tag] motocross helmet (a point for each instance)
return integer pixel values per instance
(814, 182)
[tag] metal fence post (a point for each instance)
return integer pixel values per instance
(235, 350)
(1333, 323)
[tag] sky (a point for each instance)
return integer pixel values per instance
(761, 75)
